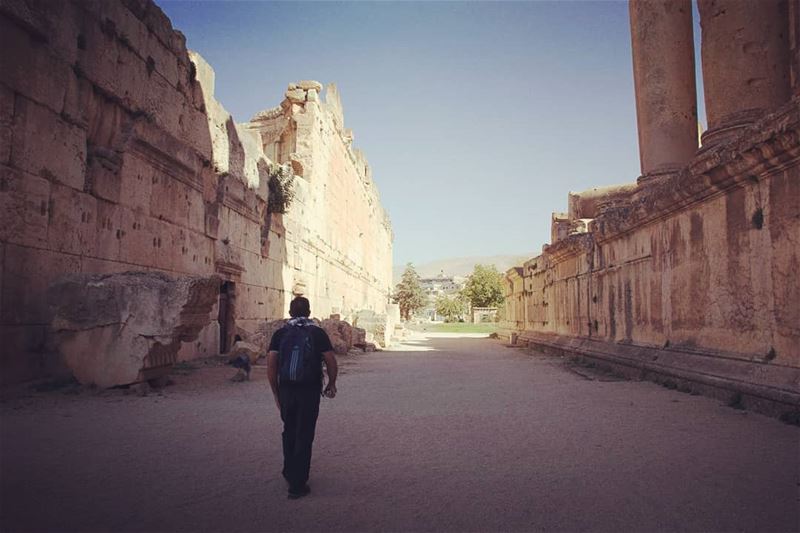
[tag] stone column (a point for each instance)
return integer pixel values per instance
(664, 78)
(745, 50)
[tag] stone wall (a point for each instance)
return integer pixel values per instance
(115, 156)
(337, 234)
(690, 276)
(696, 278)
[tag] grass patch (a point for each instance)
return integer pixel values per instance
(458, 327)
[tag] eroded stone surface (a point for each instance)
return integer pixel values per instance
(117, 329)
(116, 156)
(695, 266)
(343, 336)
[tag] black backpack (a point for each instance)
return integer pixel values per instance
(298, 363)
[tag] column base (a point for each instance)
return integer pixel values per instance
(656, 176)
(729, 128)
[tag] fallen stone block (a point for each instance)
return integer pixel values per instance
(359, 337)
(343, 336)
(263, 334)
(118, 329)
(376, 325)
(340, 334)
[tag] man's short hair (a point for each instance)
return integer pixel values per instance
(300, 308)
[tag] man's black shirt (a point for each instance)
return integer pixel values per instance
(319, 339)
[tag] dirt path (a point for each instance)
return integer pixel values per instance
(451, 434)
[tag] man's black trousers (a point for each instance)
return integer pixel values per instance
(299, 411)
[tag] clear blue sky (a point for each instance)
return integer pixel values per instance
(477, 118)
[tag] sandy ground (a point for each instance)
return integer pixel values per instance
(448, 434)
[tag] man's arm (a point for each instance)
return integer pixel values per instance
(333, 370)
(272, 375)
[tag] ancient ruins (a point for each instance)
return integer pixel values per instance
(120, 170)
(690, 275)
(116, 157)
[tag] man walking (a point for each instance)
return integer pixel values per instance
(294, 361)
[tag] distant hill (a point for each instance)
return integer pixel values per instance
(462, 266)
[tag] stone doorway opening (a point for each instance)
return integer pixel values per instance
(227, 322)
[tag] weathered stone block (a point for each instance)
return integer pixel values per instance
(182, 252)
(159, 24)
(254, 267)
(228, 258)
(24, 207)
(109, 230)
(136, 182)
(245, 300)
(196, 210)
(6, 122)
(138, 7)
(118, 329)
(73, 227)
(61, 21)
(163, 149)
(169, 199)
(340, 334)
(90, 265)
(169, 242)
(203, 248)
(136, 236)
(206, 344)
(77, 100)
(165, 62)
(27, 67)
(2, 268)
(263, 332)
(5, 144)
(165, 105)
(308, 85)
(376, 324)
(296, 95)
(103, 65)
(193, 128)
(26, 286)
(21, 357)
(47, 146)
(121, 24)
(104, 179)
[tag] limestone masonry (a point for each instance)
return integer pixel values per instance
(116, 157)
(690, 276)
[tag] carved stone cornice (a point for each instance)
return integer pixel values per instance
(571, 246)
(768, 146)
(167, 154)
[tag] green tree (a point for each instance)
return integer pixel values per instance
(450, 307)
(484, 287)
(408, 293)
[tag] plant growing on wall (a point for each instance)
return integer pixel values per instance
(281, 188)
